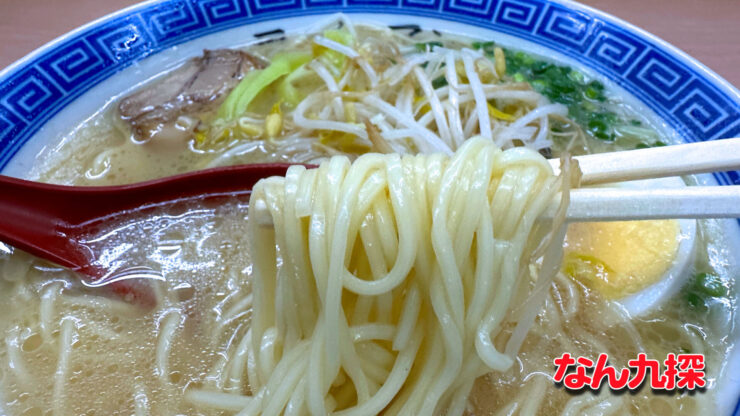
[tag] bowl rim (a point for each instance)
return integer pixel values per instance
(145, 4)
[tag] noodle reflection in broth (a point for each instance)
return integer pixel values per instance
(415, 282)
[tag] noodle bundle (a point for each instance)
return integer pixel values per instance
(390, 284)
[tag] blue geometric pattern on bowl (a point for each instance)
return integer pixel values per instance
(681, 91)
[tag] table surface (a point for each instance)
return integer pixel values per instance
(706, 29)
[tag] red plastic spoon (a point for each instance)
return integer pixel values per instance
(49, 221)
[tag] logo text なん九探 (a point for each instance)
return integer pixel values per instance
(676, 372)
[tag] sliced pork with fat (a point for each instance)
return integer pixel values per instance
(197, 87)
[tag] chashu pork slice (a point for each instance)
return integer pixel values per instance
(197, 87)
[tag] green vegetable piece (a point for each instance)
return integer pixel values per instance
(648, 145)
(600, 129)
(339, 35)
(427, 46)
(524, 58)
(582, 96)
(486, 47)
(483, 45)
(539, 85)
(228, 108)
(710, 284)
(695, 301)
(589, 106)
(576, 76)
(593, 94)
(439, 82)
(337, 61)
(557, 77)
(607, 117)
(255, 82)
(563, 97)
(636, 123)
(596, 85)
(541, 67)
(512, 66)
(287, 90)
(595, 91)
(597, 125)
(562, 86)
(334, 58)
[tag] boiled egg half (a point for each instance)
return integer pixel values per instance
(638, 264)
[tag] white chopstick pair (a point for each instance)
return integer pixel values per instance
(612, 204)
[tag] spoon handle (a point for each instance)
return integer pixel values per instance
(31, 220)
(48, 220)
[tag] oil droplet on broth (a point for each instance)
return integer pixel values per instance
(33, 411)
(32, 343)
(184, 291)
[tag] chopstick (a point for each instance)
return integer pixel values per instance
(615, 204)
(623, 204)
(658, 162)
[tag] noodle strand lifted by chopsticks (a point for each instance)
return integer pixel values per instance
(385, 286)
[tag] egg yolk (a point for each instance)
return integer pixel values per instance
(620, 258)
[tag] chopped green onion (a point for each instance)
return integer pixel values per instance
(644, 145)
(606, 117)
(695, 301)
(540, 67)
(710, 284)
(593, 94)
(703, 288)
(487, 47)
(596, 85)
(439, 82)
(428, 46)
(576, 76)
(595, 91)
(588, 106)
(585, 98)
(599, 129)
(539, 85)
(483, 45)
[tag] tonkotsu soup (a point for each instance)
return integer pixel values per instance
(342, 89)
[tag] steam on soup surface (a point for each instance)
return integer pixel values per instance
(344, 89)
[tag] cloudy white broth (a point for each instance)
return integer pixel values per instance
(69, 349)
